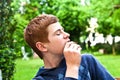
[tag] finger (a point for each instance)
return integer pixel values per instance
(72, 46)
(79, 49)
(68, 44)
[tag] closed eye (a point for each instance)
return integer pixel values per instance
(58, 32)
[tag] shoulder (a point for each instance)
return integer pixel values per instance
(88, 59)
(38, 78)
(38, 75)
(87, 56)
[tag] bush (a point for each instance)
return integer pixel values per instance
(7, 55)
(7, 63)
(117, 47)
(105, 46)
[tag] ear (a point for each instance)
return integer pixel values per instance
(41, 46)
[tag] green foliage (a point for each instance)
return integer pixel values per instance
(20, 23)
(108, 16)
(7, 54)
(72, 15)
(116, 22)
(73, 18)
(107, 13)
(18, 38)
(7, 57)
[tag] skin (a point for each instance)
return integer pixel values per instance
(60, 46)
(73, 59)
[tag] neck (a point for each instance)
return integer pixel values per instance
(52, 61)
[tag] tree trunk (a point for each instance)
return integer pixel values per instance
(113, 46)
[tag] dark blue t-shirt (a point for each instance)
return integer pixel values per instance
(90, 69)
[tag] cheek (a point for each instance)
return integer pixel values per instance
(61, 45)
(58, 45)
(60, 42)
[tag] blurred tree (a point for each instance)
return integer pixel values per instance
(73, 17)
(20, 23)
(7, 55)
(108, 16)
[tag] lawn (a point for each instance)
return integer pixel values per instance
(112, 63)
(26, 70)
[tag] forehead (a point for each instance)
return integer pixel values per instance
(54, 27)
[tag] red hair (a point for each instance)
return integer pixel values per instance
(36, 31)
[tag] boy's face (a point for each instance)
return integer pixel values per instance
(57, 38)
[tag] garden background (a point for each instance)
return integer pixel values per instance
(95, 25)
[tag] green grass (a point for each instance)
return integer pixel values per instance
(111, 63)
(26, 70)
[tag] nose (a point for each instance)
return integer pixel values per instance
(66, 35)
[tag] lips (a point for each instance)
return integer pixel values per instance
(68, 40)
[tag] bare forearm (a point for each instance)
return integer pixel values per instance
(73, 59)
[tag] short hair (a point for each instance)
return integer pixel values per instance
(36, 31)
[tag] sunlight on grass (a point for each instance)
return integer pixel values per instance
(26, 70)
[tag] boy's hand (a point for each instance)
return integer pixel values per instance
(73, 58)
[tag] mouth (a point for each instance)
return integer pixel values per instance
(68, 40)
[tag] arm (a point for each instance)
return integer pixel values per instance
(73, 59)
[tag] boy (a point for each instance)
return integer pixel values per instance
(61, 57)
